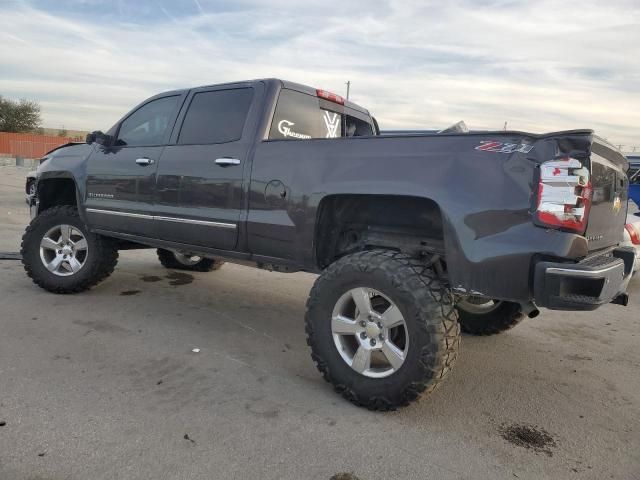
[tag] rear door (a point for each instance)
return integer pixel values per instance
(200, 187)
(279, 164)
(121, 177)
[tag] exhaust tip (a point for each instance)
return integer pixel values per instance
(622, 299)
(530, 309)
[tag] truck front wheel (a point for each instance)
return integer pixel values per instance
(481, 316)
(61, 255)
(186, 261)
(382, 328)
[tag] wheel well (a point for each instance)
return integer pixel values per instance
(350, 223)
(56, 191)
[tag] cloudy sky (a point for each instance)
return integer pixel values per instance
(538, 65)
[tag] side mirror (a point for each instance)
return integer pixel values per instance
(98, 137)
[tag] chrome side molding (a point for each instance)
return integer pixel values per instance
(164, 219)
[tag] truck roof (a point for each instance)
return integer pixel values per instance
(278, 82)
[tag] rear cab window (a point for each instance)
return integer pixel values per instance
(301, 116)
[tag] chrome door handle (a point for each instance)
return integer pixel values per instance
(226, 162)
(144, 161)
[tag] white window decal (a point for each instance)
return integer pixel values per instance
(332, 123)
(284, 127)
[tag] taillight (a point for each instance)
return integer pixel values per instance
(564, 195)
(634, 232)
(332, 97)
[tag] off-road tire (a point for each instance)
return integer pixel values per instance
(168, 260)
(429, 313)
(506, 316)
(102, 255)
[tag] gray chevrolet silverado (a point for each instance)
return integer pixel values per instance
(415, 236)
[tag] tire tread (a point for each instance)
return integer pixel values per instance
(507, 316)
(105, 250)
(417, 278)
(168, 260)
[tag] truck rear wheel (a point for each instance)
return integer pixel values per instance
(61, 255)
(186, 261)
(481, 316)
(382, 328)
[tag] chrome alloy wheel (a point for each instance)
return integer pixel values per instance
(64, 250)
(478, 304)
(186, 258)
(370, 332)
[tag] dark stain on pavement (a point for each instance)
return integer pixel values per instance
(179, 278)
(344, 476)
(101, 326)
(151, 278)
(268, 413)
(529, 436)
(578, 357)
(128, 293)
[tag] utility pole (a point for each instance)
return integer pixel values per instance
(348, 88)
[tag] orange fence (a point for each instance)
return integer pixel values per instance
(29, 146)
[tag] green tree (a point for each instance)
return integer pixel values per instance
(19, 116)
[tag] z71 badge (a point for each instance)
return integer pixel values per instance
(499, 147)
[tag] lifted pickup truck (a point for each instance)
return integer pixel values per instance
(414, 236)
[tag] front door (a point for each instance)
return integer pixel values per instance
(121, 176)
(200, 186)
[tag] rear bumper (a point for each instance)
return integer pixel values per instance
(586, 285)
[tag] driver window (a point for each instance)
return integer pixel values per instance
(148, 125)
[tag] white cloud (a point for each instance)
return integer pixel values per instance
(541, 66)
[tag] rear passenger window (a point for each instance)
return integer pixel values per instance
(300, 116)
(216, 117)
(634, 175)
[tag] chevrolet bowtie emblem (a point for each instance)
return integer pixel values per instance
(617, 205)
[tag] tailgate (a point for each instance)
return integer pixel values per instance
(610, 187)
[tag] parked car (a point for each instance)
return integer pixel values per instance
(414, 237)
(30, 186)
(634, 178)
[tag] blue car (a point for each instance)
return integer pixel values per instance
(634, 178)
